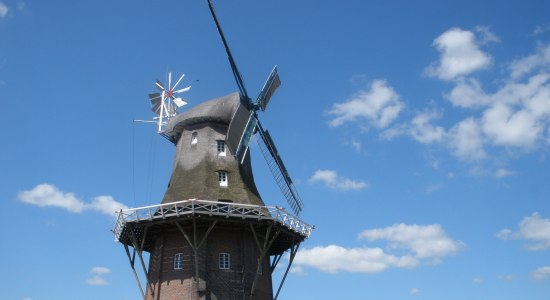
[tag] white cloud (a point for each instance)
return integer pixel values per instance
(414, 291)
(515, 115)
(414, 244)
(536, 229)
(512, 118)
(525, 65)
(423, 131)
(3, 10)
(507, 127)
(466, 140)
(505, 234)
(425, 241)
(356, 145)
(332, 180)
(98, 274)
(541, 273)
(335, 258)
(49, 195)
(467, 93)
(477, 280)
(106, 205)
(486, 35)
(501, 173)
(420, 128)
(379, 106)
(541, 29)
(532, 228)
(460, 55)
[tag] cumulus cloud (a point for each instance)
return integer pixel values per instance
(466, 140)
(106, 205)
(423, 131)
(98, 276)
(424, 241)
(413, 243)
(534, 229)
(516, 115)
(333, 258)
(468, 93)
(541, 273)
(513, 116)
(460, 54)
(49, 195)
(3, 10)
(379, 106)
(507, 127)
(526, 65)
(332, 180)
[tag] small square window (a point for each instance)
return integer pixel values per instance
(221, 148)
(222, 178)
(178, 261)
(194, 138)
(224, 263)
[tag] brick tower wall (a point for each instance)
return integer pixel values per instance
(215, 283)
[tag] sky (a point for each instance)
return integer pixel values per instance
(417, 133)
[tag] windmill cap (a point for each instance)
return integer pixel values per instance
(218, 110)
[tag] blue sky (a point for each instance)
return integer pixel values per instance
(417, 132)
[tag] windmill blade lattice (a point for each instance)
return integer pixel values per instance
(278, 170)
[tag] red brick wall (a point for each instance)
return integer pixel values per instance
(170, 284)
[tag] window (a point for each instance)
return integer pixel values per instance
(222, 178)
(221, 148)
(178, 261)
(194, 138)
(225, 263)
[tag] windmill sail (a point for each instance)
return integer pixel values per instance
(272, 83)
(278, 170)
(245, 123)
(240, 131)
(236, 73)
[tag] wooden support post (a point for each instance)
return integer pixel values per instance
(275, 262)
(293, 251)
(134, 270)
(139, 251)
(263, 251)
(193, 244)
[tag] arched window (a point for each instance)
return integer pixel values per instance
(194, 138)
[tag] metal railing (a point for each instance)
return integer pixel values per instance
(210, 208)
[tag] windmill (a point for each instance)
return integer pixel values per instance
(245, 123)
(212, 236)
(166, 103)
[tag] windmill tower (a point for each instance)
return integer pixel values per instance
(212, 236)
